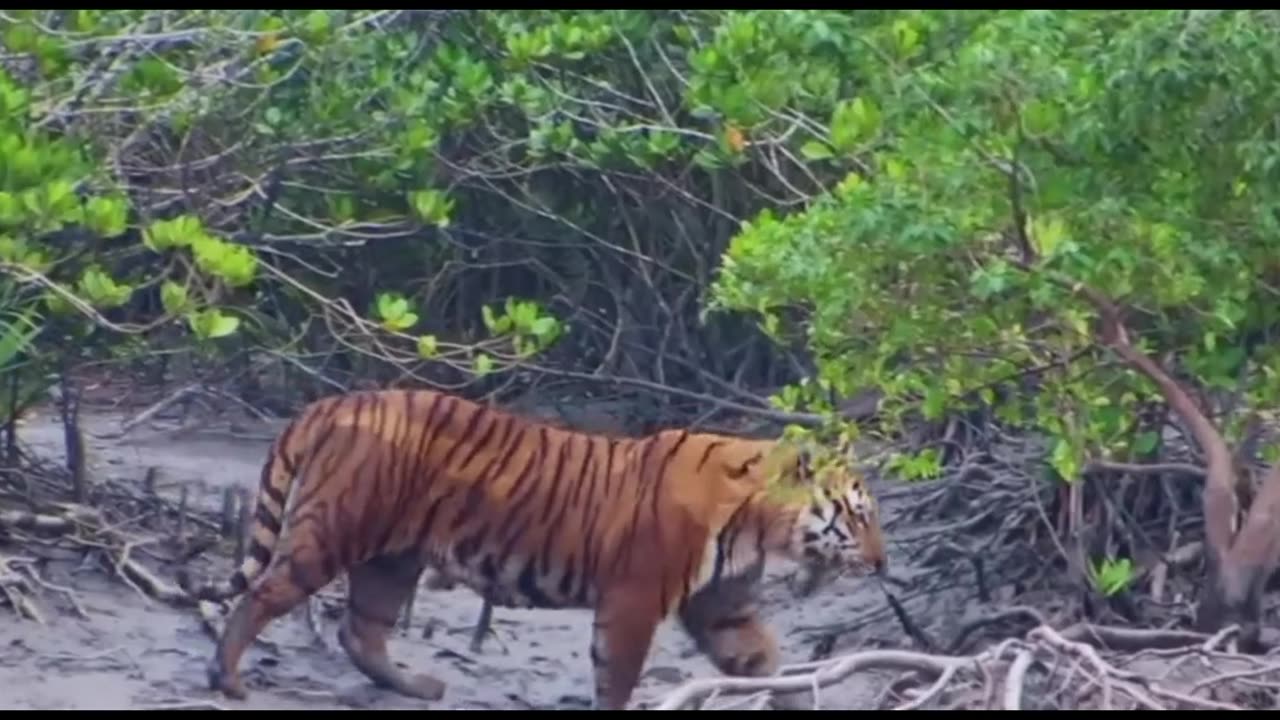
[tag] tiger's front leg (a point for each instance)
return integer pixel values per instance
(377, 590)
(622, 633)
(725, 624)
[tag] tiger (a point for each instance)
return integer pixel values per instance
(384, 484)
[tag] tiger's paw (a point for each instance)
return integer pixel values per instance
(228, 684)
(425, 687)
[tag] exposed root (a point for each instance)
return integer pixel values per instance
(17, 590)
(62, 527)
(1043, 670)
(27, 566)
(155, 409)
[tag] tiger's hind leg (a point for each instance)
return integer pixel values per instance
(377, 590)
(288, 582)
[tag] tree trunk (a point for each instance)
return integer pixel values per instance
(1234, 580)
(1237, 566)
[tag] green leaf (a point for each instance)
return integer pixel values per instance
(224, 325)
(180, 231)
(395, 313)
(317, 24)
(432, 207)
(1041, 118)
(908, 38)
(1145, 442)
(391, 306)
(1066, 460)
(173, 297)
(102, 290)
(16, 335)
(543, 327)
(853, 123)
(484, 364)
(107, 216)
(11, 212)
(935, 401)
(428, 347)
(1047, 235)
(211, 324)
(21, 37)
(814, 150)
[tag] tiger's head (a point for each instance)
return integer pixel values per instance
(836, 517)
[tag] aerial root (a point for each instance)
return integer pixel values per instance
(62, 526)
(1079, 668)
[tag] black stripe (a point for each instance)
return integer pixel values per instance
(637, 470)
(660, 476)
(414, 480)
(517, 534)
(706, 454)
(580, 477)
(482, 443)
(266, 519)
(590, 555)
(557, 475)
(478, 412)
(312, 483)
(428, 521)
(517, 507)
(268, 489)
(535, 458)
(731, 622)
(505, 448)
(594, 473)
(608, 468)
(724, 541)
(259, 552)
(399, 451)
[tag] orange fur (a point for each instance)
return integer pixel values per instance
(386, 484)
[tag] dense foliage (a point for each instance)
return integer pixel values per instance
(1001, 159)
(1057, 219)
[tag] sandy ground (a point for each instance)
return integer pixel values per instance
(133, 653)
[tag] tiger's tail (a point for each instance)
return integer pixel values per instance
(279, 474)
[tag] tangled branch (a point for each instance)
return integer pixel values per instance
(1044, 670)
